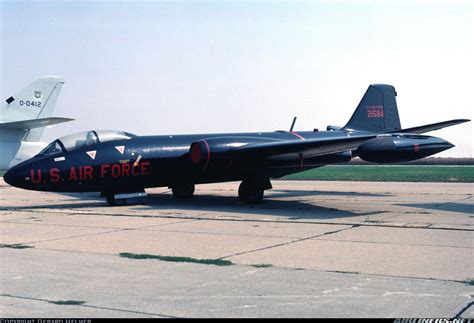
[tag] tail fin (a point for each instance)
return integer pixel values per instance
(377, 111)
(37, 100)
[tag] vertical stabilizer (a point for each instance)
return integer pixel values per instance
(37, 100)
(377, 111)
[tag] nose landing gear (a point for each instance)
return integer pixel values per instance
(119, 199)
(112, 201)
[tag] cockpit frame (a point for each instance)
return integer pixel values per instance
(83, 139)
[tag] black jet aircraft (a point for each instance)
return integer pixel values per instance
(121, 165)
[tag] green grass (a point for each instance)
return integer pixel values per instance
(15, 246)
(262, 265)
(215, 262)
(388, 173)
(67, 302)
(469, 281)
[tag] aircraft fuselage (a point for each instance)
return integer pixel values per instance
(153, 161)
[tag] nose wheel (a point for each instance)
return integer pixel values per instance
(183, 191)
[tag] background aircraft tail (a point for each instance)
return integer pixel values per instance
(377, 111)
(35, 101)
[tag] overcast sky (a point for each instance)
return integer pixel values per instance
(191, 67)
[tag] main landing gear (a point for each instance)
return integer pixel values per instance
(183, 191)
(251, 190)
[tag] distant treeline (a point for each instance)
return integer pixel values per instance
(426, 161)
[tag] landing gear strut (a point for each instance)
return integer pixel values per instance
(112, 201)
(251, 190)
(183, 191)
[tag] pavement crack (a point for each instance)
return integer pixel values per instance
(290, 242)
(463, 309)
(77, 236)
(397, 243)
(87, 305)
(213, 218)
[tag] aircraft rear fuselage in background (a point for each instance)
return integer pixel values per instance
(23, 117)
(122, 165)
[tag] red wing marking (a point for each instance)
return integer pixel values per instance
(297, 135)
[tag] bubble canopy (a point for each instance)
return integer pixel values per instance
(83, 139)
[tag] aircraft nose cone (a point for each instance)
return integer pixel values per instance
(15, 176)
(8, 177)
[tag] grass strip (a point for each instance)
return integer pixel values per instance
(215, 262)
(67, 302)
(15, 246)
(388, 173)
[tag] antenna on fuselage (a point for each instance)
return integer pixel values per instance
(292, 124)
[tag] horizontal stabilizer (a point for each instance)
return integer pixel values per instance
(433, 126)
(33, 123)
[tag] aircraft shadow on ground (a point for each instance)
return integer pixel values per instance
(295, 193)
(77, 201)
(450, 207)
(271, 205)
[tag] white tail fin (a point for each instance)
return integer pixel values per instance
(37, 100)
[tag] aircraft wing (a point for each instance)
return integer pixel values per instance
(312, 147)
(432, 126)
(33, 123)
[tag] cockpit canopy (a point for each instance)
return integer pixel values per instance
(82, 139)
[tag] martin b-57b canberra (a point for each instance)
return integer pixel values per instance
(121, 165)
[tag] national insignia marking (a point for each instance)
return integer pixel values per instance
(91, 154)
(120, 149)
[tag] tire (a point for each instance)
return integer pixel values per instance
(183, 191)
(112, 201)
(249, 193)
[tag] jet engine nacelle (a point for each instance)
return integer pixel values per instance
(214, 152)
(395, 148)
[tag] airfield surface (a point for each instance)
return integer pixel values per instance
(312, 249)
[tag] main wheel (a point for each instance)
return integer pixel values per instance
(183, 191)
(112, 201)
(249, 193)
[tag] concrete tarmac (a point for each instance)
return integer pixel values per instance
(311, 249)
